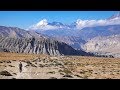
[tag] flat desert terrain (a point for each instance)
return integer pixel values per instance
(57, 67)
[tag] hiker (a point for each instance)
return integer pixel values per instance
(20, 67)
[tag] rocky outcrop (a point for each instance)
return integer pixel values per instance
(37, 46)
(73, 41)
(109, 45)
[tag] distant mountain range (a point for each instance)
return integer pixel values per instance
(80, 32)
(107, 45)
(82, 37)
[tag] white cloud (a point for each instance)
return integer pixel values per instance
(43, 24)
(91, 23)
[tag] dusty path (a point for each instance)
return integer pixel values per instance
(24, 74)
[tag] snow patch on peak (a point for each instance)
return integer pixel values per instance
(42, 23)
(79, 24)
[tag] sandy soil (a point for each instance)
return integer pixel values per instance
(58, 67)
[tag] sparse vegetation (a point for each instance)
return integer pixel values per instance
(41, 65)
(66, 71)
(64, 67)
(30, 64)
(51, 72)
(17, 56)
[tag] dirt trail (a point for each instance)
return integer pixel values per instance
(23, 74)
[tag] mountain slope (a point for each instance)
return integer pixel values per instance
(21, 41)
(91, 32)
(104, 45)
(77, 33)
(73, 41)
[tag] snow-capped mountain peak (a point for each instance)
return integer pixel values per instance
(56, 24)
(45, 25)
(42, 23)
(79, 24)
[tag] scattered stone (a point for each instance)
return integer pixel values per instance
(8, 61)
(66, 71)
(5, 73)
(40, 65)
(1, 62)
(27, 65)
(11, 66)
(63, 78)
(52, 78)
(52, 72)
(61, 73)
(34, 60)
(30, 64)
(13, 78)
(69, 76)
(14, 73)
(79, 76)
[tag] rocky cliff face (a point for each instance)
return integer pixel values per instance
(74, 41)
(92, 32)
(21, 41)
(36, 46)
(14, 32)
(104, 45)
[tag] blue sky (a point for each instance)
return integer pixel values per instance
(24, 19)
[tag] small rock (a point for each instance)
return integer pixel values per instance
(11, 66)
(13, 78)
(1, 62)
(5, 73)
(8, 61)
(69, 76)
(52, 78)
